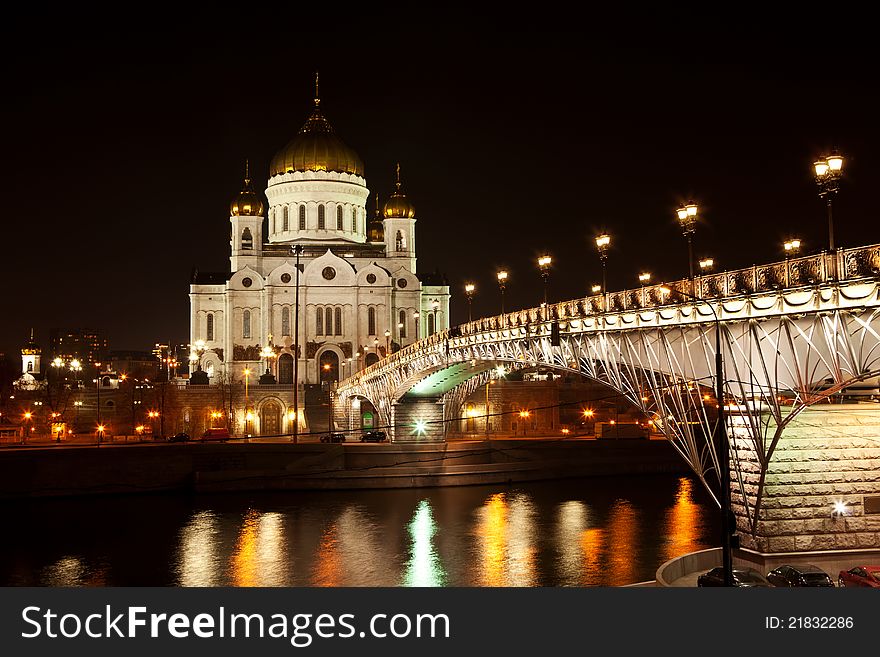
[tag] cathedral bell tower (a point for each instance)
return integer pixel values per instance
(400, 227)
(246, 216)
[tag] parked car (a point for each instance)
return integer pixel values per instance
(805, 575)
(219, 433)
(742, 577)
(866, 576)
(333, 438)
(374, 437)
(179, 438)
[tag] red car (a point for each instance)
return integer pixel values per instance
(860, 576)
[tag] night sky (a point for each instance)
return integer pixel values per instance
(123, 146)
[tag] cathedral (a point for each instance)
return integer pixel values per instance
(360, 295)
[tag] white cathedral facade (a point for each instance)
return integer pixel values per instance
(360, 294)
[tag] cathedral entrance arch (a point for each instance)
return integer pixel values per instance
(285, 368)
(328, 366)
(370, 359)
(270, 418)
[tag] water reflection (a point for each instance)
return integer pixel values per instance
(197, 558)
(260, 556)
(682, 522)
(505, 530)
(567, 533)
(424, 567)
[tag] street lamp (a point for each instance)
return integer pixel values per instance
(247, 412)
(828, 170)
(297, 250)
(596, 289)
(76, 368)
(707, 265)
(720, 439)
(792, 247)
(469, 289)
(603, 243)
(387, 342)
(645, 278)
(544, 263)
(687, 219)
(502, 283)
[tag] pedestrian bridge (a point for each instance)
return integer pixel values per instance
(793, 334)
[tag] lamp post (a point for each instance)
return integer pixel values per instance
(76, 368)
(469, 290)
(98, 389)
(502, 284)
(297, 250)
(544, 263)
(828, 170)
(387, 342)
(603, 243)
(687, 219)
(247, 410)
(644, 278)
(720, 438)
(791, 247)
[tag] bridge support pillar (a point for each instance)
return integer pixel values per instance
(822, 486)
(418, 419)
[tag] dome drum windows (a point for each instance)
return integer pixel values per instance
(286, 220)
(339, 217)
(302, 217)
(354, 219)
(321, 221)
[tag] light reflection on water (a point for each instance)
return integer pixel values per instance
(567, 533)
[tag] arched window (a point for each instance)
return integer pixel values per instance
(30, 366)
(328, 321)
(210, 331)
(302, 217)
(371, 321)
(338, 217)
(247, 240)
(286, 219)
(320, 217)
(399, 244)
(319, 321)
(338, 315)
(354, 219)
(402, 322)
(431, 324)
(246, 324)
(285, 320)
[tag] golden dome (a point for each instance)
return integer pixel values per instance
(247, 203)
(316, 148)
(397, 205)
(376, 233)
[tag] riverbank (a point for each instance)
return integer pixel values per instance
(222, 467)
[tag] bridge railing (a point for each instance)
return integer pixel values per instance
(792, 273)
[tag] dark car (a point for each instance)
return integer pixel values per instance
(374, 437)
(179, 438)
(742, 577)
(806, 575)
(864, 576)
(333, 438)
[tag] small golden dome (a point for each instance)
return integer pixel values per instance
(397, 205)
(376, 233)
(316, 148)
(247, 203)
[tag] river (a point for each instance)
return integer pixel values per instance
(579, 532)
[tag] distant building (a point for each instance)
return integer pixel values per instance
(136, 364)
(82, 344)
